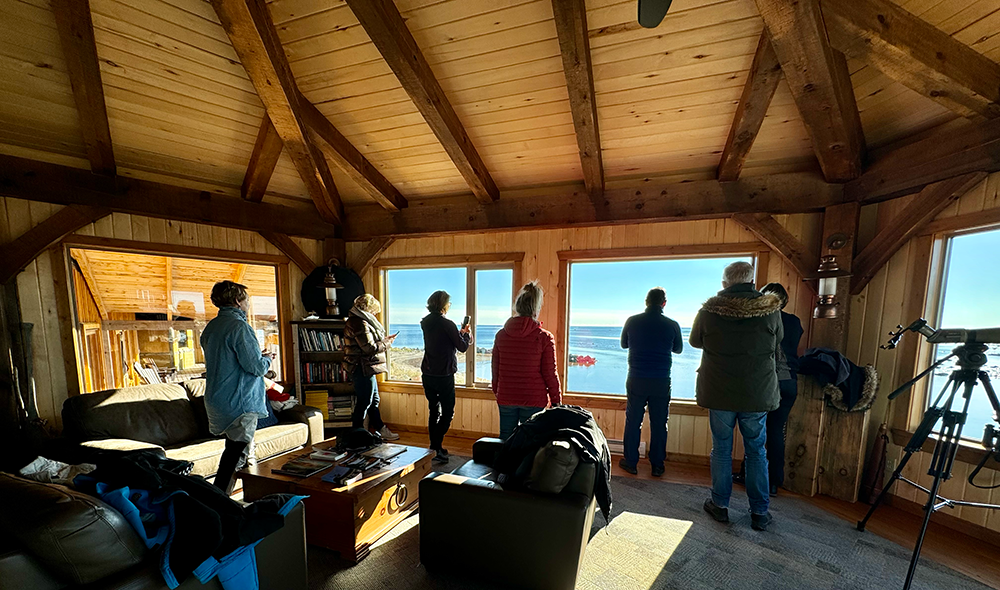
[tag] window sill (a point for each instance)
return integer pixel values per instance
(968, 451)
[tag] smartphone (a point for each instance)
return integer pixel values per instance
(466, 321)
(396, 334)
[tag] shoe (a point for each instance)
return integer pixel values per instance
(658, 470)
(440, 457)
(443, 452)
(740, 479)
(759, 522)
(387, 434)
(718, 513)
(773, 491)
(628, 468)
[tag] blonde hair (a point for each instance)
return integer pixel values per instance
(529, 300)
(368, 303)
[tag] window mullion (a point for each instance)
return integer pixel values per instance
(470, 310)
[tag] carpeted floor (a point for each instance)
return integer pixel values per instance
(659, 538)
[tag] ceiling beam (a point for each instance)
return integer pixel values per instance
(76, 35)
(32, 180)
(83, 262)
(560, 207)
(907, 223)
(916, 54)
(762, 82)
(239, 271)
(574, 44)
(387, 30)
(289, 248)
(820, 83)
(804, 260)
(350, 160)
(371, 252)
(907, 170)
(263, 159)
(251, 31)
(19, 253)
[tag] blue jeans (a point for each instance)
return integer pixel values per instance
(654, 393)
(366, 401)
(511, 416)
(753, 428)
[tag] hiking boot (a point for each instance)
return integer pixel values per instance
(718, 513)
(440, 457)
(387, 434)
(628, 468)
(657, 470)
(443, 452)
(759, 522)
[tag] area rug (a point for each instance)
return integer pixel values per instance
(659, 538)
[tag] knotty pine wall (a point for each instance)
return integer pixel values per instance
(689, 437)
(36, 289)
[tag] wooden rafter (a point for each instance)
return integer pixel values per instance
(370, 254)
(574, 44)
(762, 82)
(387, 30)
(804, 260)
(820, 84)
(350, 160)
(263, 159)
(239, 271)
(915, 53)
(19, 253)
(76, 35)
(908, 223)
(51, 183)
(83, 261)
(645, 202)
(251, 31)
(907, 170)
(289, 248)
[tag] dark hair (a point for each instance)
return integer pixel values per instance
(438, 301)
(228, 294)
(777, 289)
(656, 296)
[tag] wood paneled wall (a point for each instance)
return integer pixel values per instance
(36, 289)
(689, 434)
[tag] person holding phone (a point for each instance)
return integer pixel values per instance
(364, 358)
(443, 340)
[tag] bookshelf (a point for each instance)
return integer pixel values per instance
(320, 381)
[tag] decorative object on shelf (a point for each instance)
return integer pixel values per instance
(315, 298)
(330, 286)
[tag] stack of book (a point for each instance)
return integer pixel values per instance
(339, 410)
(323, 373)
(317, 398)
(320, 340)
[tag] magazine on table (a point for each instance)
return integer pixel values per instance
(342, 476)
(302, 467)
(385, 452)
(328, 455)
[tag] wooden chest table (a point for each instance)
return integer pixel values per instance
(346, 519)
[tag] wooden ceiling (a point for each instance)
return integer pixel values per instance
(183, 110)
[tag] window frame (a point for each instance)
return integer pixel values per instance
(470, 262)
(758, 251)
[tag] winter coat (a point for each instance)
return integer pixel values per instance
(362, 348)
(442, 340)
(524, 365)
(788, 362)
(567, 423)
(650, 338)
(739, 332)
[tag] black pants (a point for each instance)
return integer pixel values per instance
(224, 478)
(777, 428)
(654, 393)
(440, 393)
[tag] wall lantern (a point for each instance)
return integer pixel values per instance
(826, 302)
(330, 286)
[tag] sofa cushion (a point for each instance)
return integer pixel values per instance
(280, 438)
(159, 414)
(204, 453)
(76, 537)
(18, 569)
(118, 444)
(196, 393)
(553, 467)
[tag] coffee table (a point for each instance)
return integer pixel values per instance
(346, 519)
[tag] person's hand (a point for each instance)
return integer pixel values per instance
(466, 329)
(269, 354)
(391, 338)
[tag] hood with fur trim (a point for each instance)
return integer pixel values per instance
(740, 308)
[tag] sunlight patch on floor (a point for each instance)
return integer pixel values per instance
(631, 552)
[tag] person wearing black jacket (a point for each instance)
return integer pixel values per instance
(650, 338)
(442, 341)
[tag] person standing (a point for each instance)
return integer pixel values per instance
(740, 333)
(524, 363)
(442, 341)
(364, 358)
(788, 389)
(234, 386)
(650, 338)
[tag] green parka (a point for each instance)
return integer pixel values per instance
(739, 332)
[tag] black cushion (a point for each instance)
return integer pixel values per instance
(158, 414)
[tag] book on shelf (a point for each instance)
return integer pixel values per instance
(302, 467)
(314, 340)
(323, 372)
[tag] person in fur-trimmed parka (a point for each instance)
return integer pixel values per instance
(739, 331)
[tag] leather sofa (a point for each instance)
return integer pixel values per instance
(522, 539)
(171, 417)
(53, 537)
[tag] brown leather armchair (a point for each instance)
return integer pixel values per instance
(523, 539)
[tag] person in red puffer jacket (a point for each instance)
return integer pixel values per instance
(524, 363)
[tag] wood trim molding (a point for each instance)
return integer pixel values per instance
(369, 255)
(650, 252)
(969, 221)
(284, 285)
(499, 258)
(19, 253)
(909, 350)
(289, 248)
(91, 282)
(62, 279)
(763, 225)
(264, 157)
(461, 391)
(97, 243)
(761, 84)
(967, 452)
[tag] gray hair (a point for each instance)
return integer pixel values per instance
(529, 300)
(737, 273)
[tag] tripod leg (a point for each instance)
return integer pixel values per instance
(885, 491)
(928, 510)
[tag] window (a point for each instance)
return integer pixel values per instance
(966, 297)
(140, 316)
(483, 292)
(604, 294)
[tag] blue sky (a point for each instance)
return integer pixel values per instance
(408, 290)
(973, 283)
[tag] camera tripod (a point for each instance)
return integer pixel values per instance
(970, 358)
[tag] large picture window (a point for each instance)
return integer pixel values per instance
(603, 294)
(483, 292)
(966, 289)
